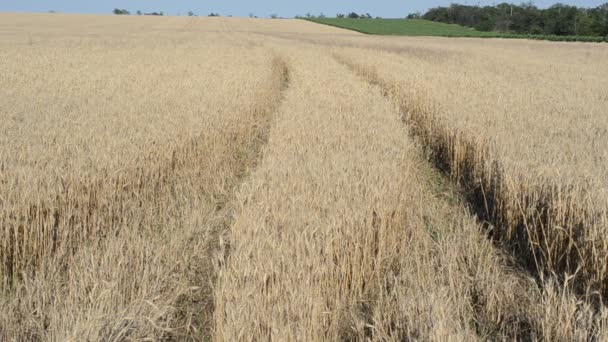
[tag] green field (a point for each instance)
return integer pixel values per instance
(402, 27)
(418, 27)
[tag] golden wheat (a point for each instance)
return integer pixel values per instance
(112, 200)
(532, 156)
(246, 179)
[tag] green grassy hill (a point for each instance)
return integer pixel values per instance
(402, 27)
(418, 27)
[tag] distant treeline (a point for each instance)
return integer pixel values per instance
(559, 19)
(351, 15)
(119, 11)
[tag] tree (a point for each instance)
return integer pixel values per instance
(525, 18)
(119, 11)
(191, 14)
(139, 12)
(353, 15)
(599, 20)
(339, 15)
(440, 14)
(274, 16)
(560, 20)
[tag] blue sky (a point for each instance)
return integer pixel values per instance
(262, 8)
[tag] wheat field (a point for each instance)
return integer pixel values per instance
(188, 179)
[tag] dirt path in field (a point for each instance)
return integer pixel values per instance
(307, 218)
(547, 288)
(343, 233)
(479, 200)
(169, 295)
(196, 309)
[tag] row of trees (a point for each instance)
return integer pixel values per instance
(351, 15)
(354, 15)
(525, 18)
(119, 11)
